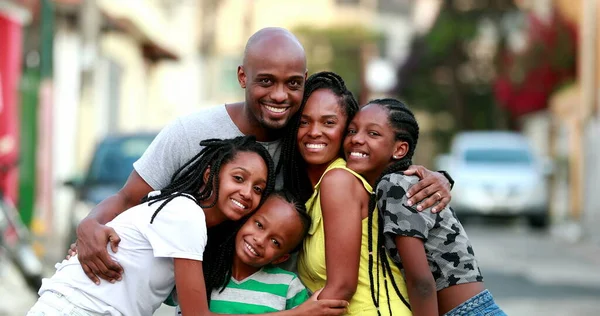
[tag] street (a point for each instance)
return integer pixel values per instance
(529, 273)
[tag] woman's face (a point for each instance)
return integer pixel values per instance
(241, 184)
(322, 128)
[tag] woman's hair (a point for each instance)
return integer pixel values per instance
(405, 126)
(217, 270)
(189, 181)
(295, 177)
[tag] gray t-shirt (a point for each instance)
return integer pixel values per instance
(179, 141)
(447, 247)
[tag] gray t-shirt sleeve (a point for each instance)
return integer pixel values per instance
(164, 156)
(399, 218)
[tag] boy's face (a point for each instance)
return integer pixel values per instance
(270, 234)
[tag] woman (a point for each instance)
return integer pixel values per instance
(337, 254)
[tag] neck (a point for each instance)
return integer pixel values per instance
(316, 171)
(213, 216)
(246, 122)
(240, 270)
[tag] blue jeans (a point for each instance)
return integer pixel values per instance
(481, 304)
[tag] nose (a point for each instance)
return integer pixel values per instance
(259, 240)
(246, 191)
(357, 139)
(314, 131)
(278, 94)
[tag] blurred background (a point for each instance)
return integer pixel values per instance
(505, 91)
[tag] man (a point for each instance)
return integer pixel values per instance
(273, 74)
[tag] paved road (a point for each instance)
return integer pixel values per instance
(530, 273)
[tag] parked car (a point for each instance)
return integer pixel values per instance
(497, 174)
(110, 166)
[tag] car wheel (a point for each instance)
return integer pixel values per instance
(539, 221)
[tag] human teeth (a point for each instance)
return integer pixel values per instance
(359, 155)
(315, 146)
(238, 203)
(251, 249)
(276, 110)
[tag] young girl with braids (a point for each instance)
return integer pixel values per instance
(338, 253)
(441, 272)
(163, 239)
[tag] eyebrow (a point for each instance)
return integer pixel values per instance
(323, 116)
(248, 172)
(294, 77)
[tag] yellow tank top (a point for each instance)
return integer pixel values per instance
(311, 260)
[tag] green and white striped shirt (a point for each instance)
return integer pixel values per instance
(271, 289)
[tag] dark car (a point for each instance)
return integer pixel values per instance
(111, 164)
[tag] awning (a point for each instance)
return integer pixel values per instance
(144, 21)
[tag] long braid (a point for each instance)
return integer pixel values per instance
(294, 167)
(188, 181)
(407, 129)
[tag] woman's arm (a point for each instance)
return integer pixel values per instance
(191, 290)
(191, 293)
(420, 284)
(342, 199)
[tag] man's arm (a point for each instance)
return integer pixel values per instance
(433, 189)
(93, 235)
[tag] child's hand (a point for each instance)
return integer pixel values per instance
(315, 307)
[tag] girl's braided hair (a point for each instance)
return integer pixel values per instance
(406, 129)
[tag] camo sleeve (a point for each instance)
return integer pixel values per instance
(399, 218)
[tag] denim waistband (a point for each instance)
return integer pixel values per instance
(473, 305)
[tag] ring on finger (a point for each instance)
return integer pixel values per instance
(439, 195)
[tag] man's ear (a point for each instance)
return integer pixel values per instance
(400, 149)
(206, 175)
(241, 75)
(281, 259)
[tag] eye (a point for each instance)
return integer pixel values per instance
(238, 179)
(265, 81)
(258, 190)
(351, 131)
(258, 224)
(373, 133)
(303, 122)
(329, 122)
(295, 84)
(275, 242)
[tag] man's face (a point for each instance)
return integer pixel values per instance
(274, 84)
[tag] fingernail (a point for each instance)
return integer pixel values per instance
(112, 281)
(433, 210)
(97, 282)
(410, 203)
(119, 278)
(419, 207)
(408, 194)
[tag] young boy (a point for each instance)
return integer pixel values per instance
(268, 237)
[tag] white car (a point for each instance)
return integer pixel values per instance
(497, 174)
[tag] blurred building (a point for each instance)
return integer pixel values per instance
(235, 20)
(576, 120)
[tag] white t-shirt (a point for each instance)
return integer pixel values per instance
(146, 253)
